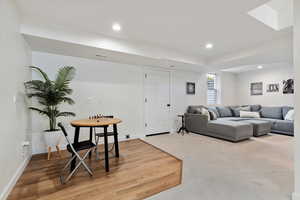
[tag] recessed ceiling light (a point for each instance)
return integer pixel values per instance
(209, 46)
(259, 67)
(116, 27)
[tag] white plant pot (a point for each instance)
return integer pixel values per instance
(53, 138)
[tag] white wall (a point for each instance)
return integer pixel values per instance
(296, 195)
(228, 88)
(15, 56)
(267, 76)
(112, 88)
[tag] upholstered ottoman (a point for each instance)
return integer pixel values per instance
(229, 130)
(260, 127)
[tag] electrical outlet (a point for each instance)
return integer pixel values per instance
(25, 143)
(25, 148)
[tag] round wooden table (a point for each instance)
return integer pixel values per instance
(92, 123)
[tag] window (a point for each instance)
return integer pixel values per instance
(212, 91)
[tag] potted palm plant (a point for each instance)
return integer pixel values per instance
(50, 94)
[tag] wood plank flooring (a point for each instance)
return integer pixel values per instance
(141, 171)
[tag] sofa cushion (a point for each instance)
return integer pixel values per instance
(224, 111)
(272, 121)
(271, 112)
(281, 126)
(285, 110)
(284, 126)
(194, 109)
(214, 109)
(231, 118)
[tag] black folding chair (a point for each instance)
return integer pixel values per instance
(98, 135)
(74, 149)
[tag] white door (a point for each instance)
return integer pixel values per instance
(157, 102)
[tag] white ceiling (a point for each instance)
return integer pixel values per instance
(78, 50)
(184, 26)
(247, 68)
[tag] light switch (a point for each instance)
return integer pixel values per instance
(14, 99)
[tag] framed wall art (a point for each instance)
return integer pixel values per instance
(190, 88)
(256, 88)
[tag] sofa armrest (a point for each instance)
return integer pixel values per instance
(195, 122)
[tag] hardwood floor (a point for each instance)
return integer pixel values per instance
(141, 171)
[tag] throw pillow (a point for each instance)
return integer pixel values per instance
(212, 115)
(197, 111)
(224, 111)
(247, 114)
(236, 111)
(290, 116)
(285, 110)
(214, 110)
(205, 112)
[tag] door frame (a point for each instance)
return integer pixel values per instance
(149, 69)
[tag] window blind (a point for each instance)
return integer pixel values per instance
(212, 93)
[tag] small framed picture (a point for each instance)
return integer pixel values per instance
(273, 87)
(256, 89)
(190, 88)
(288, 86)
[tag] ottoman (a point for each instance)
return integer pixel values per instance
(260, 127)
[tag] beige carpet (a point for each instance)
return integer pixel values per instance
(256, 169)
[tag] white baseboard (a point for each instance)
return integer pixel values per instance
(14, 179)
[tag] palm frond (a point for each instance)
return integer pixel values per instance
(44, 75)
(43, 112)
(36, 94)
(68, 100)
(64, 76)
(65, 114)
(35, 85)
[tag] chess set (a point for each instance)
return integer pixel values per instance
(98, 116)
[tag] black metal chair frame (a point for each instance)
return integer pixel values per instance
(75, 154)
(99, 135)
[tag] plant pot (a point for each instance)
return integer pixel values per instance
(52, 138)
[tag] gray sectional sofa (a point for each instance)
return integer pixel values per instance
(230, 126)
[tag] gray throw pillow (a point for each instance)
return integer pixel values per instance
(197, 111)
(214, 110)
(224, 111)
(255, 108)
(194, 109)
(212, 115)
(236, 111)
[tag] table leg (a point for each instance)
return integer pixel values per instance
(179, 130)
(76, 138)
(106, 149)
(91, 140)
(116, 140)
